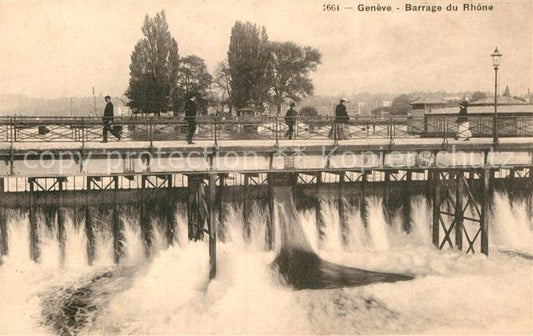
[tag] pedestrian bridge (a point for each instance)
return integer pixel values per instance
(71, 146)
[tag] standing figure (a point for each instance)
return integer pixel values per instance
(108, 117)
(341, 118)
(190, 118)
(463, 126)
(290, 120)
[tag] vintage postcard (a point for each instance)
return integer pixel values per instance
(266, 167)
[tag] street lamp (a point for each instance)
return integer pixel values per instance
(496, 57)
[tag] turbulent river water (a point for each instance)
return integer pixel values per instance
(445, 292)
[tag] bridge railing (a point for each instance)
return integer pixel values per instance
(215, 128)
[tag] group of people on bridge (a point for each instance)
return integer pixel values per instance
(337, 131)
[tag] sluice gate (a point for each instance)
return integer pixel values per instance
(460, 198)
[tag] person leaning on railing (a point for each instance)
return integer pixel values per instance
(341, 118)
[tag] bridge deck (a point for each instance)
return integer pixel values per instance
(358, 144)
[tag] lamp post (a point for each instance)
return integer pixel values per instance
(496, 56)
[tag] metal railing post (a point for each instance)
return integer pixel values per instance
(445, 134)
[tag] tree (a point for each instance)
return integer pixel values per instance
(290, 66)
(153, 65)
(222, 81)
(248, 62)
(400, 105)
(194, 80)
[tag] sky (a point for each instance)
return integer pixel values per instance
(64, 48)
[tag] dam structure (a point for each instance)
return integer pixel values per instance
(49, 167)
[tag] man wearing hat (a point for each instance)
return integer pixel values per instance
(463, 126)
(190, 118)
(290, 120)
(108, 117)
(341, 118)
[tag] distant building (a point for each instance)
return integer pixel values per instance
(427, 104)
(387, 103)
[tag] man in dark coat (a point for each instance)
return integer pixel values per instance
(290, 120)
(341, 118)
(190, 118)
(108, 117)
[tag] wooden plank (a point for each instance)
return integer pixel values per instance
(212, 227)
(436, 207)
(318, 210)
(459, 185)
(34, 238)
(341, 208)
(144, 218)
(89, 228)
(116, 228)
(4, 248)
(406, 203)
(61, 222)
(363, 204)
(220, 207)
(246, 209)
(170, 212)
(484, 228)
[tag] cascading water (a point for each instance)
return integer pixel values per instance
(169, 292)
(300, 266)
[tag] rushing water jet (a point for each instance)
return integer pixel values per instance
(301, 267)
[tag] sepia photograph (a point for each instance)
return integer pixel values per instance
(254, 167)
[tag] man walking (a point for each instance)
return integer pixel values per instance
(190, 118)
(341, 118)
(108, 117)
(290, 120)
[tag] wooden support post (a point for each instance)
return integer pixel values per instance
(270, 223)
(212, 222)
(318, 209)
(117, 229)
(4, 248)
(170, 212)
(195, 222)
(529, 195)
(89, 228)
(220, 207)
(406, 203)
(61, 221)
(511, 187)
(34, 237)
(363, 204)
(246, 209)
(459, 191)
(483, 221)
(342, 214)
(436, 206)
(144, 218)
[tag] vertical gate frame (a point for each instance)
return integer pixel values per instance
(445, 182)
